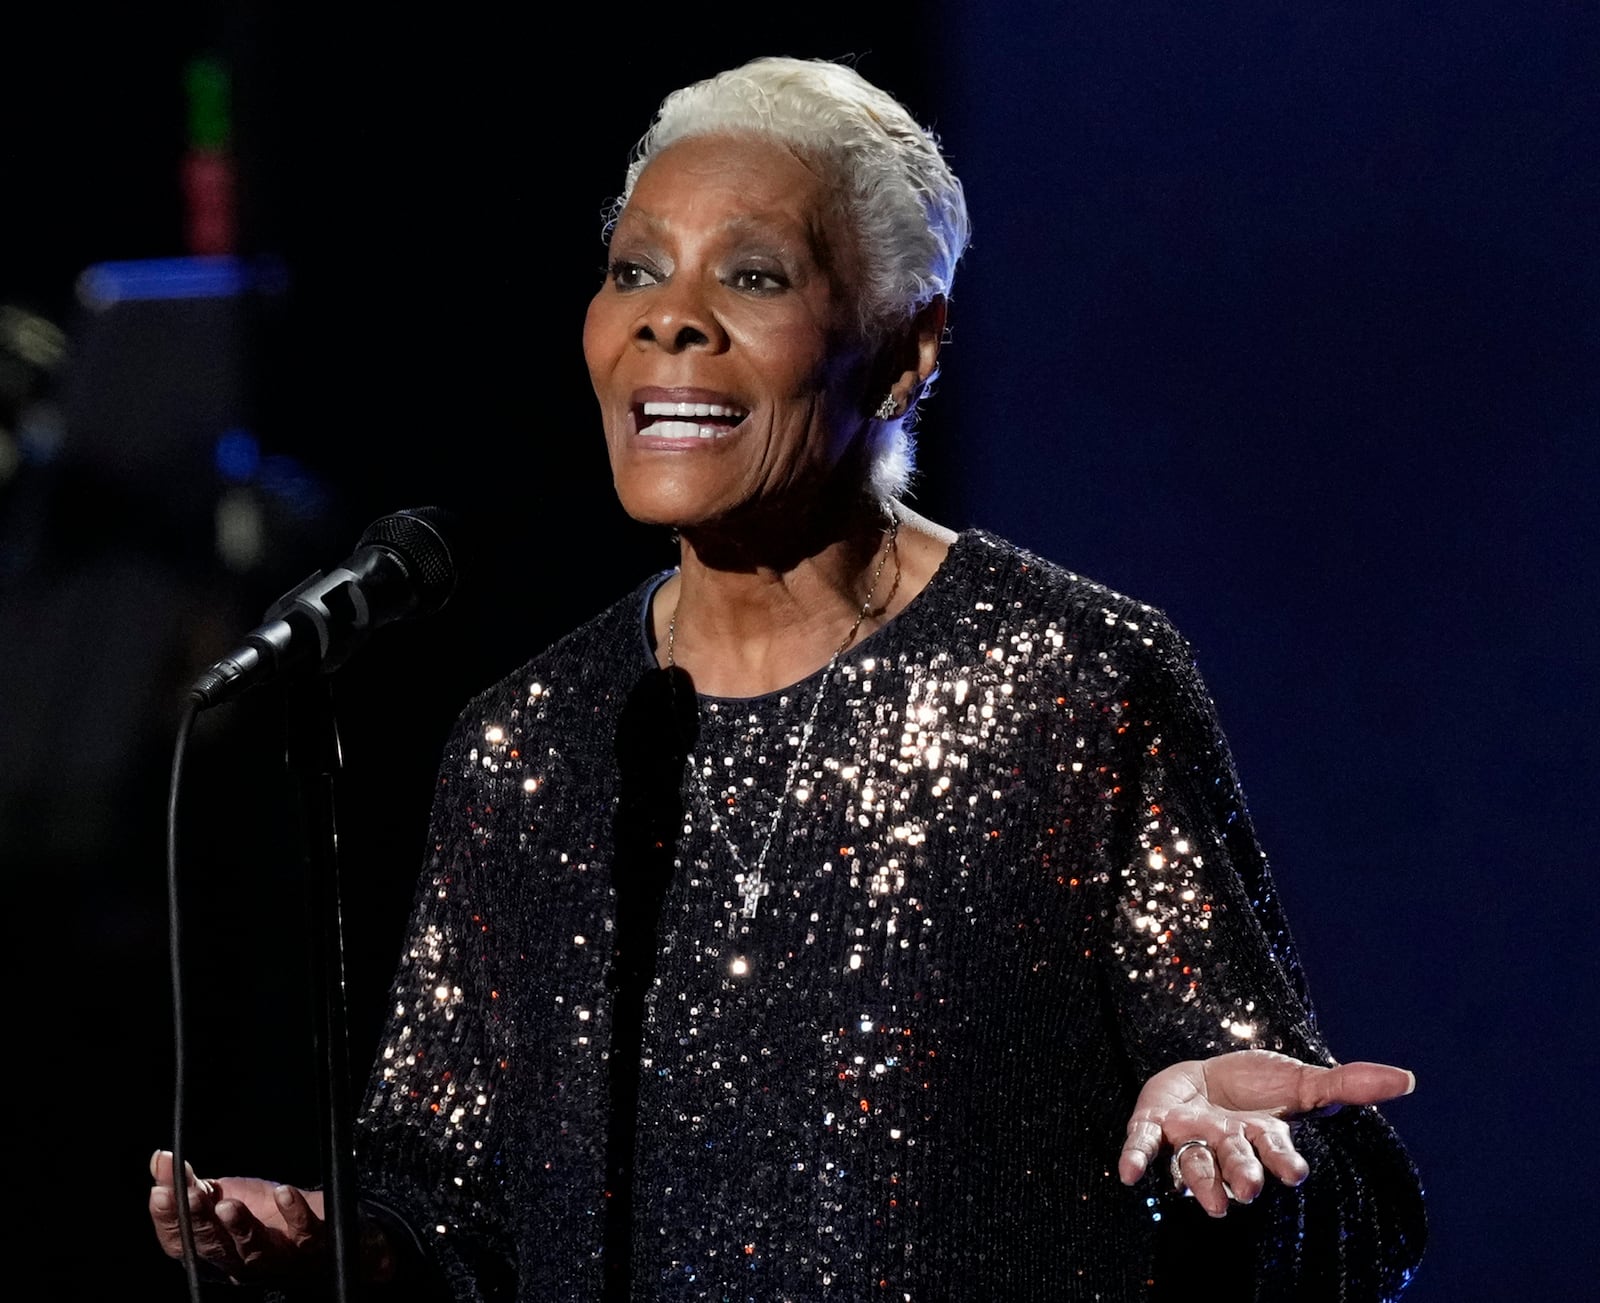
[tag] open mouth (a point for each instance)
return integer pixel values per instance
(686, 420)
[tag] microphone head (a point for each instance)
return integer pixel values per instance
(427, 541)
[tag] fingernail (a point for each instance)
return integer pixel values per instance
(1412, 1079)
(155, 1164)
(283, 1196)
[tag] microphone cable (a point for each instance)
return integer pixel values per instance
(180, 1187)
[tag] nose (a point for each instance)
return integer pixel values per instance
(677, 318)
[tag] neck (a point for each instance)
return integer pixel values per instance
(747, 617)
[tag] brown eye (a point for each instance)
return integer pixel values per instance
(630, 275)
(757, 280)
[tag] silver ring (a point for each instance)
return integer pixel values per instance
(1178, 1183)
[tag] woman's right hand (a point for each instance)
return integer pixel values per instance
(244, 1227)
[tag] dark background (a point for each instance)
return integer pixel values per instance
(1283, 319)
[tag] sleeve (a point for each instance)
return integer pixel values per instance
(427, 1131)
(1201, 962)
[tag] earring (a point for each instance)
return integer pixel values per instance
(888, 408)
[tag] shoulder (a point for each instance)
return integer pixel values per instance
(1124, 654)
(599, 658)
(1015, 591)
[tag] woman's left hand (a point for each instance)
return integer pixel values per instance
(1236, 1104)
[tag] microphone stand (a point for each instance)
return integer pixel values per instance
(313, 756)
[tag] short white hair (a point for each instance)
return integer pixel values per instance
(906, 206)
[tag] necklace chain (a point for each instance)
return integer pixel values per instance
(751, 882)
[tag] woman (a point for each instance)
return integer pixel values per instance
(860, 909)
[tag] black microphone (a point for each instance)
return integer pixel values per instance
(402, 568)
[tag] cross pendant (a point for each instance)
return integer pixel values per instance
(752, 891)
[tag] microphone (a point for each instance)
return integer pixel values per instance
(402, 568)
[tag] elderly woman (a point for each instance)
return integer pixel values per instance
(860, 909)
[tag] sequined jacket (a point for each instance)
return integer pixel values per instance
(1012, 877)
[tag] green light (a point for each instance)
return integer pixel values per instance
(209, 89)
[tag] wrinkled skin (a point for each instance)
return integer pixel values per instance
(252, 1229)
(1239, 1104)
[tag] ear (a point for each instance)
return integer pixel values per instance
(913, 359)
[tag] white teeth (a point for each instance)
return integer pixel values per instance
(689, 417)
(682, 430)
(693, 409)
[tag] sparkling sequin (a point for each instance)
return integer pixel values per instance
(1013, 877)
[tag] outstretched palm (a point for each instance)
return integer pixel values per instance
(1236, 1104)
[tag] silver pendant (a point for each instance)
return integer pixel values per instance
(752, 889)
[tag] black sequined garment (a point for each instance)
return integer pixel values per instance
(1012, 878)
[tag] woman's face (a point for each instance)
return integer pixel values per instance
(722, 345)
